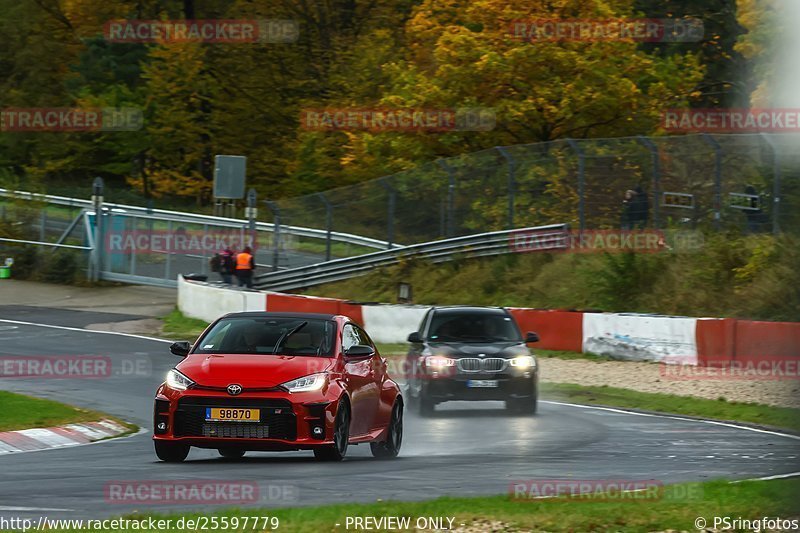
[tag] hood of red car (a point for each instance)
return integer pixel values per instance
(250, 370)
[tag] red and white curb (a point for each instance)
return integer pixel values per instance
(28, 440)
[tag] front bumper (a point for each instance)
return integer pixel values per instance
(464, 387)
(286, 422)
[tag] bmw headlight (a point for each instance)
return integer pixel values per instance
(177, 381)
(307, 383)
(523, 361)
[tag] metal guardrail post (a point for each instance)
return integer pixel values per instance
(451, 198)
(328, 224)
(581, 183)
(512, 183)
(776, 183)
(656, 166)
(384, 182)
(276, 233)
(97, 201)
(717, 178)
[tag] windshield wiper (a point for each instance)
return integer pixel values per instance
(288, 334)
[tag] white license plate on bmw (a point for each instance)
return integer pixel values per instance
(482, 383)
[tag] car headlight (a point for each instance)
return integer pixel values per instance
(439, 361)
(523, 361)
(307, 383)
(177, 381)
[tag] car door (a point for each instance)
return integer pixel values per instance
(374, 386)
(358, 377)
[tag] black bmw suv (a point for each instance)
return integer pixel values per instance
(471, 353)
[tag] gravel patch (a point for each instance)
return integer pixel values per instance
(650, 377)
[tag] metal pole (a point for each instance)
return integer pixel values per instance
(512, 183)
(97, 200)
(276, 233)
(42, 223)
(328, 224)
(656, 165)
(168, 262)
(384, 182)
(581, 183)
(717, 178)
(451, 198)
(252, 213)
(776, 183)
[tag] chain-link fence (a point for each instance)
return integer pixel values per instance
(747, 182)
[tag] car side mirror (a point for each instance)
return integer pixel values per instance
(415, 338)
(531, 337)
(180, 348)
(359, 351)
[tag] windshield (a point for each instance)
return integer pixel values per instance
(473, 327)
(274, 335)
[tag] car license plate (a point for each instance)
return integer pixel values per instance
(230, 414)
(482, 383)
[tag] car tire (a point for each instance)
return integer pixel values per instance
(171, 452)
(426, 404)
(231, 453)
(390, 448)
(341, 436)
(527, 406)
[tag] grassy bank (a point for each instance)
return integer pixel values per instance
(781, 417)
(23, 412)
(678, 508)
(178, 326)
(756, 276)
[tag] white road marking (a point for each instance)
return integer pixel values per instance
(34, 509)
(768, 478)
(673, 417)
(85, 330)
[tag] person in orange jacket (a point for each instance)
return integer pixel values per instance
(245, 264)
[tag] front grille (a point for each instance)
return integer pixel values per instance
(277, 419)
(474, 365)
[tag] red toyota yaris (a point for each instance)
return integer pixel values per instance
(274, 382)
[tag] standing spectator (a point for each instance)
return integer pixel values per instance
(627, 209)
(245, 264)
(227, 265)
(640, 209)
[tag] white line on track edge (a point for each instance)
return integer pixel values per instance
(673, 417)
(85, 330)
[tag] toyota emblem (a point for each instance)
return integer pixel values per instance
(234, 389)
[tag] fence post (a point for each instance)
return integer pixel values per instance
(276, 233)
(647, 143)
(252, 213)
(328, 224)
(451, 197)
(384, 182)
(97, 253)
(717, 178)
(512, 183)
(581, 183)
(776, 183)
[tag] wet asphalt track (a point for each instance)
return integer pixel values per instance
(466, 449)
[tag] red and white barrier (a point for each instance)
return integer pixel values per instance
(626, 336)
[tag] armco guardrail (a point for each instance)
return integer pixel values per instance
(180, 216)
(482, 244)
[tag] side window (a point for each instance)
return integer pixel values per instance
(349, 337)
(364, 338)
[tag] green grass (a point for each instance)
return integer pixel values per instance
(180, 327)
(781, 417)
(749, 500)
(24, 412)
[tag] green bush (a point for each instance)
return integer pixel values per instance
(60, 267)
